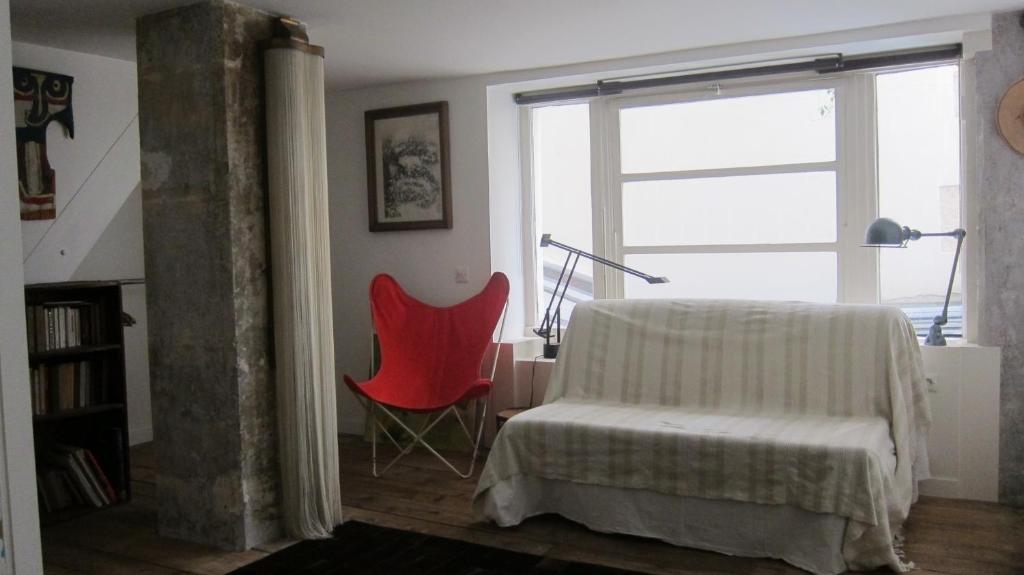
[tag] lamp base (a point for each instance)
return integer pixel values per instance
(551, 350)
(935, 336)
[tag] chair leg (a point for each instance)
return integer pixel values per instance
(482, 419)
(369, 406)
(419, 439)
(373, 440)
(374, 424)
(479, 435)
(416, 437)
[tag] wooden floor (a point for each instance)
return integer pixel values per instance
(943, 536)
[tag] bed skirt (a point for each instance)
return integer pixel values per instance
(808, 540)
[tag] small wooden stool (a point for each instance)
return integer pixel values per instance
(505, 415)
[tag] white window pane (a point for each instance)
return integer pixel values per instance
(561, 185)
(919, 186)
(788, 128)
(791, 276)
(762, 209)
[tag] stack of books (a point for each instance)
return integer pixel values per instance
(70, 476)
(64, 386)
(58, 325)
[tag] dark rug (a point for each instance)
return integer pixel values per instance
(361, 548)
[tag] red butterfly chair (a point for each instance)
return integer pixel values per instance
(431, 358)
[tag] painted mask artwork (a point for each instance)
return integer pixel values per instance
(39, 98)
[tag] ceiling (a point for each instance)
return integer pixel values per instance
(372, 42)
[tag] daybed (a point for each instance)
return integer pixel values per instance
(760, 429)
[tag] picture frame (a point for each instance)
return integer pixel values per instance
(408, 169)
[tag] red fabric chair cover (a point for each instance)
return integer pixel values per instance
(430, 356)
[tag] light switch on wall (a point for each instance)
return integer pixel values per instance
(461, 275)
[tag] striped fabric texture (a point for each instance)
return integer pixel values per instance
(818, 406)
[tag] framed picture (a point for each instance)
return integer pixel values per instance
(408, 173)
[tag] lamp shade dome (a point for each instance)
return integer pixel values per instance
(884, 232)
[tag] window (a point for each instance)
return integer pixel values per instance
(738, 193)
(919, 186)
(560, 137)
(755, 190)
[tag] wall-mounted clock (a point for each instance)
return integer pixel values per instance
(1010, 116)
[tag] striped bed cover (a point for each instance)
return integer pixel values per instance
(817, 406)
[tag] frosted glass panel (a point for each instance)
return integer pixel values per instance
(788, 128)
(791, 276)
(763, 209)
(919, 186)
(561, 171)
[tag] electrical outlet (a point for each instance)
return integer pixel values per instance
(461, 275)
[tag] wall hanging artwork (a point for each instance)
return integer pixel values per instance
(407, 168)
(39, 98)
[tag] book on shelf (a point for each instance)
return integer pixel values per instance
(112, 445)
(71, 475)
(64, 386)
(102, 479)
(62, 324)
(55, 489)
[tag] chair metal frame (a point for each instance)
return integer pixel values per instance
(418, 438)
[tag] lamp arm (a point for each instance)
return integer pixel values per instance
(545, 325)
(960, 234)
(649, 278)
(553, 319)
(565, 288)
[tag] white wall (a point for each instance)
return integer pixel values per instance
(118, 255)
(422, 261)
(17, 473)
(98, 232)
(487, 232)
(99, 168)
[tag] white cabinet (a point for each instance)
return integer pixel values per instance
(963, 443)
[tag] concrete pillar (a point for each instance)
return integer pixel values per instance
(1001, 212)
(204, 209)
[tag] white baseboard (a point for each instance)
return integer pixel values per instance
(941, 487)
(137, 435)
(954, 488)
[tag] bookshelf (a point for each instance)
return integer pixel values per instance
(79, 415)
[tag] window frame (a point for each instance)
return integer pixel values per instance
(855, 165)
(616, 179)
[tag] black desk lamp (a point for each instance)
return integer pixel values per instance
(885, 233)
(552, 320)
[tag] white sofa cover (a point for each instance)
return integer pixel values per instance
(789, 407)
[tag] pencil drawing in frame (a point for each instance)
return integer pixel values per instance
(408, 171)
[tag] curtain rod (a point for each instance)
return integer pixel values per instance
(824, 65)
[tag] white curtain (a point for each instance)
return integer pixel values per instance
(300, 260)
